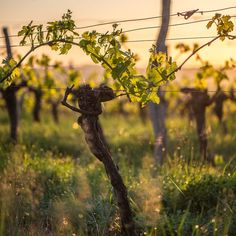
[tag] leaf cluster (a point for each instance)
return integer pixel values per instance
(218, 74)
(6, 66)
(41, 77)
(224, 25)
(159, 71)
(58, 34)
(120, 65)
(106, 49)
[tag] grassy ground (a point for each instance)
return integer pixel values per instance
(52, 185)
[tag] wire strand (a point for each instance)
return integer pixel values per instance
(152, 27)
(136, 41)
(165, 91)
(221, 9)
(171, 39)
(158, 26)
(140, 19)
(123, 21)
(170, 25)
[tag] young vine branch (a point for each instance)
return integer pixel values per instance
(106, 49)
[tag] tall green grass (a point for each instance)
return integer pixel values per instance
(52, 185)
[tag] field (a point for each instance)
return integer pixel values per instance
(153, 151)
(52, 185)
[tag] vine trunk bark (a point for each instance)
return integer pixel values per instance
(199, 100)
(55, 116)
(97, 146)
(89, 102)
(37, 103)
(9, 95)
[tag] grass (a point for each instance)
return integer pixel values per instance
(52, 185)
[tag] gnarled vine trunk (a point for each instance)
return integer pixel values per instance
(9, 95)
(89, 101)
(55, 116)
(220, 98)
(99, 149)
(198, 102)
(37, 103)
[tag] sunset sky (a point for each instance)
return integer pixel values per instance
(15, 13)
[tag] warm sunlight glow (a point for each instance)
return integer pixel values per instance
(90, 12)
